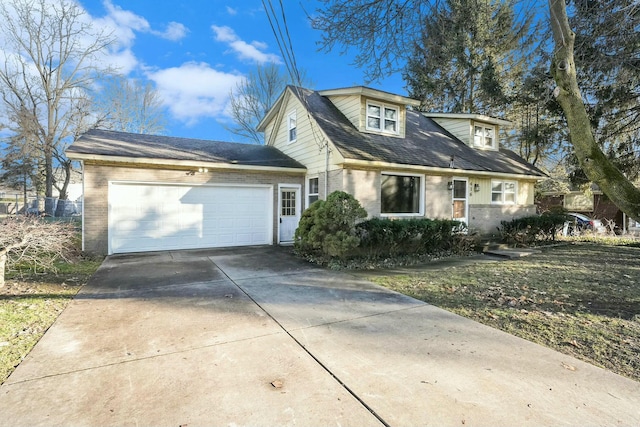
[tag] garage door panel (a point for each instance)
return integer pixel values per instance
(152, 217)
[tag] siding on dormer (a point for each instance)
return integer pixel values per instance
(460, 128)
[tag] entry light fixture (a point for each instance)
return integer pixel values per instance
(450, 185)
(203, 170)
(476, 187)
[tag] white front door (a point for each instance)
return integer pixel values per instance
(289, 212)
(460, 204)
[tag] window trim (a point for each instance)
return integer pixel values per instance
(503, 192)
(308, 190)
(382, 119)
(292, 117)
(485, 126)
(421, 202)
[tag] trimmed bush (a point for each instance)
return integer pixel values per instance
(528, 230)
(327, 229)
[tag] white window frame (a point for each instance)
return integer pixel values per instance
(381, 117)
(483, 142)
(421, 203)
(503, 193)
(308, 190)
(292, 125)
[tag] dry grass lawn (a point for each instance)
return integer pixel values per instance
(581, 299)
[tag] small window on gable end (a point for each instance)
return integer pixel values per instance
(293, 127)
(484, 136)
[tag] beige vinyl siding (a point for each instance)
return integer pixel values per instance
(349, 106)
(460, 128)
(524, 191)
(307, 147)
(402, 116)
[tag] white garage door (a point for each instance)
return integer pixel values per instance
(156, 217)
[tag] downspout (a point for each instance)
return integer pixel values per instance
(83, 201)
(326, 170)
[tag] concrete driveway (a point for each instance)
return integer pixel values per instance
(254, 336)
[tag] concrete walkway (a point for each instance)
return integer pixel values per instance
(255, 337)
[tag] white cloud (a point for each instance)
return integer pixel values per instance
(245, 51)
(194, 91)
(124, 25)
(174, 32)
(231, 11)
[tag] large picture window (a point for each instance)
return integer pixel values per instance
(401, 194)
(503, 192)
(382, 118)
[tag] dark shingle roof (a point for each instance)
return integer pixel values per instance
(131, 145)
(425, 144)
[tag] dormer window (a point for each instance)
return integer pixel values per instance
(484, 136)
(382, 118)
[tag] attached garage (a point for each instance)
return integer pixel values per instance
(153, 193)
(157, 216)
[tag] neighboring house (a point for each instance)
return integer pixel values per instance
(401, 163)
(593, 203)
(144, 193)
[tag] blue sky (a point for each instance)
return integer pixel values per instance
(195, 52)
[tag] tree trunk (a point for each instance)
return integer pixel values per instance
(63, 197)
(48, 177)
(593, 161)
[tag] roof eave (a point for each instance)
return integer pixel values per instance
(363, 90)
(187, 164)
(442, 171)
(470, 116)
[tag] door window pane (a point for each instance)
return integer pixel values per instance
(288, 203)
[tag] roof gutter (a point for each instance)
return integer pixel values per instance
(441, 171)
(186, 164)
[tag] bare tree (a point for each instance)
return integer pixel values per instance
(51, 57)
(130, 106)
(253, 96)
(593, 161)
(33, 241)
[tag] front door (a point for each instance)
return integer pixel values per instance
(289, 202)
(460, 208)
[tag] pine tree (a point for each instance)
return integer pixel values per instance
(470, 56)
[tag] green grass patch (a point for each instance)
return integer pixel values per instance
(581, 299)
(30, 303)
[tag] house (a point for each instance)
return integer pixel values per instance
(146, 193)
(401, 163)
(593, 203)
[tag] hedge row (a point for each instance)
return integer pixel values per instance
(334, 229)
(530, 229)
